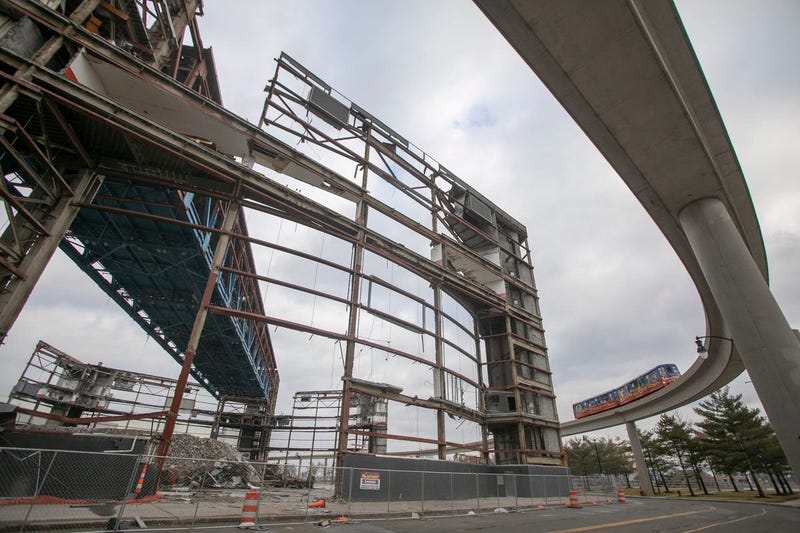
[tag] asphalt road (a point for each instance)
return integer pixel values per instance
(638, 515)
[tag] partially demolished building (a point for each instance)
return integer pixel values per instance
(116, 149)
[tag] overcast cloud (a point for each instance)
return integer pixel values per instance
(614, 297)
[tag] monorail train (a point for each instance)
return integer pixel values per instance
(650, 381)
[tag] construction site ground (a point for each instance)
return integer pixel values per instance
(190, 511)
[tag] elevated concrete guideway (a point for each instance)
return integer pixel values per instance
(627, 74)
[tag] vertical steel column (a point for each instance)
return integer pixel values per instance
(229, 218)
(522, 458)
(56, 222)
(438, 374)
(481, 391)
(362, 212)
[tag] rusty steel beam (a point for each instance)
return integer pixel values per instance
(229, 219)
(416, 439)
(274, 321)
(93, 419)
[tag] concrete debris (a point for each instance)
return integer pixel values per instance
(204, 463)
(201, 463)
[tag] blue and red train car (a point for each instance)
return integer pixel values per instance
(649, 382)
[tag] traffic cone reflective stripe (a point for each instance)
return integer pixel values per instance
(250, 509)
(573, 500)
(140, 483)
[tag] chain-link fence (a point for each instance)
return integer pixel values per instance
(57, 490)
(598, 488)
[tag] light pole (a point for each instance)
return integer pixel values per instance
(701, 349)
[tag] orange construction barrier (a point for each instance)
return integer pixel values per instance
(573, 500)
(621, 496)
(140, 483)
(250, 509)
(318, 503)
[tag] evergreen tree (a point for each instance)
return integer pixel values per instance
(654, 459)
(734, 434)
(675, 435)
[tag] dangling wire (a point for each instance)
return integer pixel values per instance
(316, 272)
(269, 264)
(333, 361)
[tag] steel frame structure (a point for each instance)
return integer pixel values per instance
(468, 234)
(312, 430)
(86, 168)
(61, 389)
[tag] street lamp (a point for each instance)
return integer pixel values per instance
(701, 349)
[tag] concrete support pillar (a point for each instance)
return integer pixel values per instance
(761, 335)
(638, 457)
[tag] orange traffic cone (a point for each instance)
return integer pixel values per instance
(573, 500)
(318, 503)
(250, 509)
(140, 482)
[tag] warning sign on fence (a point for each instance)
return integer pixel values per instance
(370, 481)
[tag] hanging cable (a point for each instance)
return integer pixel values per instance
(269, 263)
(316, 272)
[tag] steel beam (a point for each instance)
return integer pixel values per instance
(57, 223)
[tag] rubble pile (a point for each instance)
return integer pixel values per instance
(197, 462)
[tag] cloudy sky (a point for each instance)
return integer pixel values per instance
(614, 297)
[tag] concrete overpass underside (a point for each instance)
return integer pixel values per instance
(627, 74)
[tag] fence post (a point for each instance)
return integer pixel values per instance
(478, 490)
(308, 492)
(349, 491)
(452, 496)
(516, 496)
(388, 490)
(128, 491)
(544, 482)
(38, 485)
(263, 482)
(422, 495)
(197, 500)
